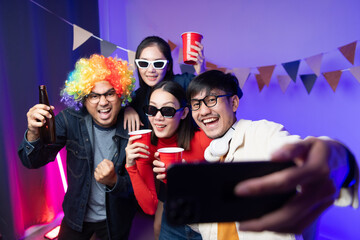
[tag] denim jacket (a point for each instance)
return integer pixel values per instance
(71, 131)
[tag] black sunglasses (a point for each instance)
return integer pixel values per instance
(166, 112)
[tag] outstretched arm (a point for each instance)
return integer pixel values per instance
(322, 166)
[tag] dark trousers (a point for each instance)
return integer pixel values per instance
(89, 228)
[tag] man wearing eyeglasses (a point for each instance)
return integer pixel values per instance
(100, 198)
(324, 167)
(325, 171)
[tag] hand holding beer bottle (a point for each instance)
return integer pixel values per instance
(41, 120)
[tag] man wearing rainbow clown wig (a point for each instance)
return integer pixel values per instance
(100, 197)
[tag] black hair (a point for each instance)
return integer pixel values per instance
(186, 127)
(214, 79)
(164, 49)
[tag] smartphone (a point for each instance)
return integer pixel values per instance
(204, 192)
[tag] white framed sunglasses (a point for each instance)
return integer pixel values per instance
(157, 64)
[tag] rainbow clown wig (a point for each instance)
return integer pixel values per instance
(97, 68)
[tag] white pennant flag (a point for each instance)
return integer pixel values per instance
(80, 36)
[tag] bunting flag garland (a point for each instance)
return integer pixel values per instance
(131, 60)
(266, 73)
(172, 45)
(292, 69)
(349, 51)
(107, 48)
(242, 75)
(260, 82)
(284, 81)
(333, 78)
(80, 36)
(308, 81)
(355, 71)
(314, 63)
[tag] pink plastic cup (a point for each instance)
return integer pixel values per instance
(188, 39)
(170, 155)
(145, 139)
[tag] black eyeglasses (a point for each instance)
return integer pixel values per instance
(95, 97)
(157, 64)
(166, 112)
(209, 101)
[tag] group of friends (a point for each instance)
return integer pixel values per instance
(106, 183)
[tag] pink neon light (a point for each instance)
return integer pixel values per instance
(62, 173)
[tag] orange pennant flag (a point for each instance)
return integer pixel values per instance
(260, 82)
(314, 63)
(181, 57)
(355, 71)
(131, 60)
(266, 73)
(284, 81)
(80, 36)
(210, 66)
(333, 78)
(349, 51)
(172, 45)
(242, 75)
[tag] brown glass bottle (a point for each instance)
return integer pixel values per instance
(47, 131)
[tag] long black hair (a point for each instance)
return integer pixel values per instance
(186, 127)
(164, 49)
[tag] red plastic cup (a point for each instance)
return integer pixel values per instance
(188, 39)
(170, 155)
(145, 139)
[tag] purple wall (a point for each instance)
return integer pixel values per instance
(260, 33)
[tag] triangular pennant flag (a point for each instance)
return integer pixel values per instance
(210, 66)
(333, 78)
(260, 82)
(314, 63)
(355, 71)
(308, 81)
(187, 68)
(107, 48)
(284, 81)
(222, 69)
(242, 75)
(266, 73)
(131, 59)
(80, 36)
(292, 68)
(181, 57)
(349, 51)
(172, 45)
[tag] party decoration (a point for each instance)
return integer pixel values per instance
(355, 71)
(131, 59)
(349, 51)
(314, 63)
(284, 81)
(80, 36)
(266, 73)
(242, 75)
(107, 48)
(333, 78)
(172, 45)
(308, 81)
(260, 82)
(292, 68)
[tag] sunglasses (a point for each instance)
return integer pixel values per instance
(166, 112)
(157, 64)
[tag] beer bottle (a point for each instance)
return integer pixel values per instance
(47, 131)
